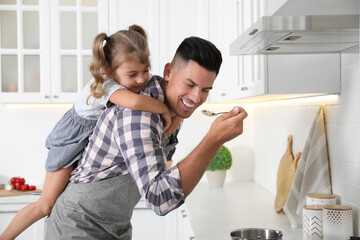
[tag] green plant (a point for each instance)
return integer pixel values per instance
(222, 160)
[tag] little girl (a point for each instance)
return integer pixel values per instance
(125, 61)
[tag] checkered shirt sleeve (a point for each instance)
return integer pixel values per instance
(126, 141)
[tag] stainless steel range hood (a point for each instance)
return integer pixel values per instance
(298, 34)
(303, 26)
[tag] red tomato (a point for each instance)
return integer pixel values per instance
(22, 181)
(25, 187)
(17, 186)
(13, 181)
(32, 188)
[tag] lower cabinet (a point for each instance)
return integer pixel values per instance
(185, 231)
(175, 225)
(9, 210)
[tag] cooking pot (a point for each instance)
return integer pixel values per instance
(256, 234)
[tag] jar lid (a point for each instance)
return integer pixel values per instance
(337, 207)
(321, 195)
(314, 207)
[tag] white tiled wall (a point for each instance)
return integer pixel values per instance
(273, 122)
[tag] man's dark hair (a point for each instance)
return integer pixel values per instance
(201, 51)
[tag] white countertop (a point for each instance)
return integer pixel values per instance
(215, 212)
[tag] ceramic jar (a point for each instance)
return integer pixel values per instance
(312, 222)
(320, 199)
(337, 222)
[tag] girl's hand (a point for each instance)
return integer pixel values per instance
(175, 122)
(166, 118)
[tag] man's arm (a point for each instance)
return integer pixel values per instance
(223, 129)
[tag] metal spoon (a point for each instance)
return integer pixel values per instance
(209, 113)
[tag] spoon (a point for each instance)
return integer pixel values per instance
(209, 113)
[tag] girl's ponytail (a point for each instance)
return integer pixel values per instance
(97, 63)
(137, 28)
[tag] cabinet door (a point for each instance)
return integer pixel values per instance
(24, 51)
(223, 29)
(123, 14)
(46, 48)
(76, 24)
(251, 68)
(180, 19)
(147, 225)
(185, 231)
(34, 232)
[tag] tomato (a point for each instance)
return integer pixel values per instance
(25, 187)
(21, 181)
(17, 186)
(32, 188)
(13, 181)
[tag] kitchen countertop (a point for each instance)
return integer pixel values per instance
(215, 212)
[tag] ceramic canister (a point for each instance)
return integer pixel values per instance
(320, 199)
(312, 222)
(338, 222)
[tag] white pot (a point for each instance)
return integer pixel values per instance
(216, 178)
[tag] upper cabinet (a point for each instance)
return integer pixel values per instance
(45, 48)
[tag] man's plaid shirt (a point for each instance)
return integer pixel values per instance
(126, 141)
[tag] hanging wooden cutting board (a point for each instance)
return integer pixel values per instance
(285, 175)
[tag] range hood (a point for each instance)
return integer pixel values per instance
(334, 27)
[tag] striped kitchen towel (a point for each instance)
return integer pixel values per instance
(313, 173)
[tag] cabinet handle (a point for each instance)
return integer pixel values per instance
(223, 94)
(192, 238)
(183, 213)
(244, 88)
(253, 32)
(46, 96)
(55, 96)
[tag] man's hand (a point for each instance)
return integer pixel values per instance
(228, 126)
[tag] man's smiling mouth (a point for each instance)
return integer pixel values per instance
(187, 104)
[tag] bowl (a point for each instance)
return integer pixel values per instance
(256, 234)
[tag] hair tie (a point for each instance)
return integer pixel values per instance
(107, 39)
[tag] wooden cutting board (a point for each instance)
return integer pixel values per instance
(13, 192)
(285, 175)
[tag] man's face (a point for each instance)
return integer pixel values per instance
(186, 86)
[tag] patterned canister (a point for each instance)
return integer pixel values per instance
(320, 199)
(338, 222)
(312, 222)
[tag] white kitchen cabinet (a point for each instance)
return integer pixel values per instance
(223, 16)
(147, 225)
(9, 206)
(45, 48)
(185, 230)
(179, 19)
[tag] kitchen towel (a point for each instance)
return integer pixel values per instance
(313, 173)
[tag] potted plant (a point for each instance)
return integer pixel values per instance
(216, 171)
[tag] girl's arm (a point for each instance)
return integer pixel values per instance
(129, 99)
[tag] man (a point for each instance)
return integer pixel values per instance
(126, 156)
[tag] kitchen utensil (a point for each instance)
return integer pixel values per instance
(312, 222)
(256, 234)
(337, 222)
(210, 113)
(285, 175)
(320, 199)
